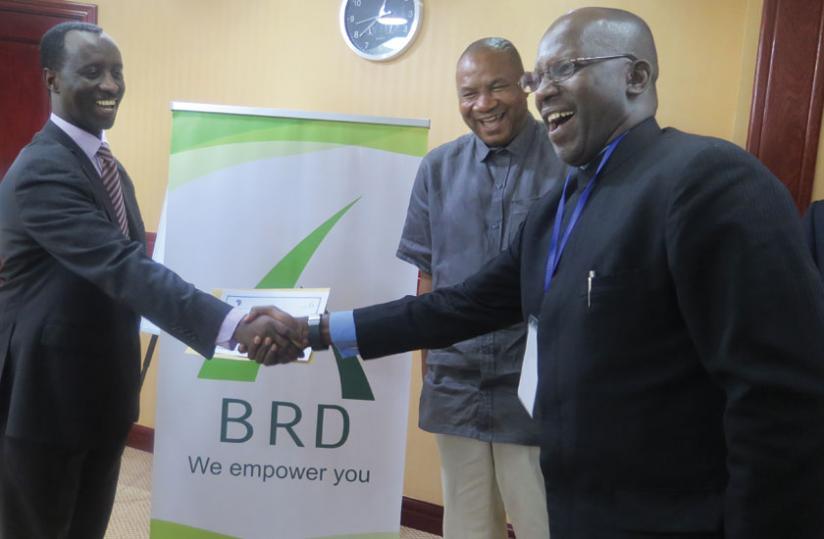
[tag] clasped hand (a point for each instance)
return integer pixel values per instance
(270, 336)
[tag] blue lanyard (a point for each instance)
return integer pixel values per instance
(556, 250)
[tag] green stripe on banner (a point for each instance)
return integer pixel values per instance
(190, 165)
(353, 382)
(193, 130)
(164, 529)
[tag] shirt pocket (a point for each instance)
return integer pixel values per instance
(518, 210)
(628, 306)
(617, 289)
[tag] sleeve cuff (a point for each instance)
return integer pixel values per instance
(343, 334)
(227, 329)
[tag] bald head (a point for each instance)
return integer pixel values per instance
(604, 31)
(610, 67)
(497, 45)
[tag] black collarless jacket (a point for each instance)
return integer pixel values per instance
(683, 391)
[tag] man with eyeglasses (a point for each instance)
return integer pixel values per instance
(469, 199)
(678, 318)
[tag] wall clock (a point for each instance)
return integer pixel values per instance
(380, 29)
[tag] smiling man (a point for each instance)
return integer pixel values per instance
(469, 199)
(74, 280)
(88, 87)
(678, 317)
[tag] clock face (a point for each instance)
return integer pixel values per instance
(379, 29)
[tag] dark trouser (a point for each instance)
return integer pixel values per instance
(50, 492)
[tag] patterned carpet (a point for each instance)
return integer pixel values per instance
(130, 518)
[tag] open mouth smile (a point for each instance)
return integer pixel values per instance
(106, 104)
(557, 119)
(490, 120)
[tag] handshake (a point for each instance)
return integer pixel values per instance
(270, 336)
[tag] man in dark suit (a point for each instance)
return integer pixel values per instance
(814, 233)
(74, 280)
(680, 323)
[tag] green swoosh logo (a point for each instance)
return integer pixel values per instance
(285, 274)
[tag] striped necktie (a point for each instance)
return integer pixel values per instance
(111, 182)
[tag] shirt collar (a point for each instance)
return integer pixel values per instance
(87, 142)
(518, 146)
(589, 168)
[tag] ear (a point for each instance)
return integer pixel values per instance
(50, 78)
(639, 77)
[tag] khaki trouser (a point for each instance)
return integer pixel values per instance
(483, 482)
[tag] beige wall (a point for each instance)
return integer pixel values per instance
(289, 54)
(818, 182)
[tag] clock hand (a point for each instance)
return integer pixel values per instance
(391, 21)
(367, 20)
(371, 24)
(381, 13)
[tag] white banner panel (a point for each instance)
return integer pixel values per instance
(276, 199)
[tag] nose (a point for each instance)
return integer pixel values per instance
(110, 83)
(486, 101)
(546, 90)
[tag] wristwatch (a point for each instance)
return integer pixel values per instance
(315, 340)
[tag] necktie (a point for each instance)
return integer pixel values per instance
(111, 182)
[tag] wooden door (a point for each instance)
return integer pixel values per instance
(788, 94)
(24, 101)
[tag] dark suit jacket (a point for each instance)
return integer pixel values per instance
(688, 397)
(814, 233)
(71, 288)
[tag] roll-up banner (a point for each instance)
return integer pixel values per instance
(263, 198)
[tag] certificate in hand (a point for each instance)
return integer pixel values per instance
(295, 301)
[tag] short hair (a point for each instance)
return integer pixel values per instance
(495, 44)
(53, 42)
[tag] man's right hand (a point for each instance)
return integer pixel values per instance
(271, 336)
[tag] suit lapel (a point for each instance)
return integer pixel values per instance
(136, 228)
(99, 192)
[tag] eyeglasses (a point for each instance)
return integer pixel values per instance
(562, 70)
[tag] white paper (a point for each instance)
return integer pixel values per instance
(528, 385)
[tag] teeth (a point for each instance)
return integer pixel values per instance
(555, 116)
(489, 118)
(106, 102)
